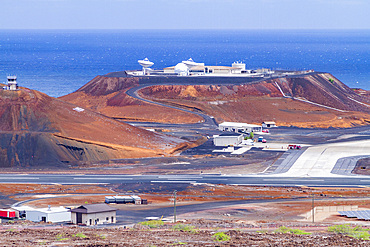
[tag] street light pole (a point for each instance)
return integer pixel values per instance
(174, 207)
(313, 207)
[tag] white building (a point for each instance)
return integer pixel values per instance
(239, 127)
(50, 214)
(190, 67)
(228, 139)
(12, 83)
(269, 124)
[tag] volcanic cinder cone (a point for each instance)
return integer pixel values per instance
(38, 130)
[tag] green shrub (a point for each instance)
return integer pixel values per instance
(101, 236)
(343, 229)
(61, 237)
(80, 235)
(355, 232)
(284, 229)
(184, 228)
(179, 243)
(221, 236)
(152, 223)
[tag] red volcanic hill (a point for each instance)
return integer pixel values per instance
(315, 100)
(38, 130)
(107, 95)
(312, 100)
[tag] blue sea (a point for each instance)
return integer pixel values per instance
(58, 62)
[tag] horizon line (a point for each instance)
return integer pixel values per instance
(187, 29)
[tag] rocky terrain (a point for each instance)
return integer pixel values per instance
(317, 100)
(107, 95)
(332, 103)
(74, 236)
(38, 130)
(249, 224)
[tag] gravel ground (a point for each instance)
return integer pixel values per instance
(83, 236)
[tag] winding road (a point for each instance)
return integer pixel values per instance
(133, 92)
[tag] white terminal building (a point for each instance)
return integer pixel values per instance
(239, 127)
(189, 67)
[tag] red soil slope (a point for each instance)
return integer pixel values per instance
(36, 129)
(263, 101)
(107, 95)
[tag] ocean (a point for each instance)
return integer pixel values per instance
(58, 62)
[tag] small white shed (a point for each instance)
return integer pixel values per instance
(269, 124)
(50, 214)
(227, 139)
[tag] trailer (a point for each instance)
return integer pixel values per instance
(8, 213)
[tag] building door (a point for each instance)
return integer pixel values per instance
(79, 218)
(43, 219)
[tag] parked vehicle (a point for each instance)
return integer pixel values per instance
(264, 141)
(294, 146)
(260, 138)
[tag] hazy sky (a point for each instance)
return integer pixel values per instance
(185, 14)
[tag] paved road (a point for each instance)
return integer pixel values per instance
(134, 216)
(208, 120)
(357, 181)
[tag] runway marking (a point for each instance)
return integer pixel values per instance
(17, 178)
(295, 180)
(167, 181)
(179, 177)
(104, 178)
(365, 180)
(80, 183)
(221, 179)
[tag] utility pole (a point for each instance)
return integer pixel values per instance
(313, 207)
(174, 206)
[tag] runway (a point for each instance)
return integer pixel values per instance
(355, 181)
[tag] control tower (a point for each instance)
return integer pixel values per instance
(12, 82)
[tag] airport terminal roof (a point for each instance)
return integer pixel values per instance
(241, 125)
(201, 67)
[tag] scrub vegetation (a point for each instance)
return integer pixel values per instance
(346, 229)
(284, 229)
(221, 237)
(152, 223)
(184, 228)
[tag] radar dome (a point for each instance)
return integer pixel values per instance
(181, 69)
